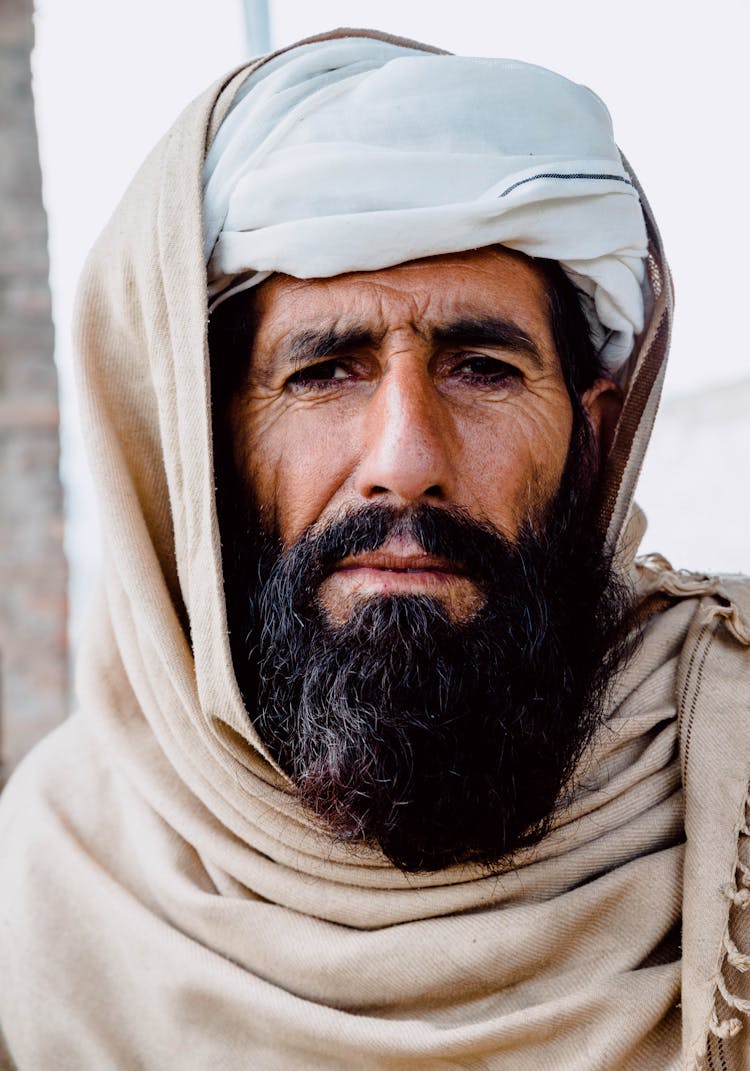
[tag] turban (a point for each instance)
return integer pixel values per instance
(356, 154)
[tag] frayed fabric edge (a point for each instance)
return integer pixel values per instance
(737, 893)
(726, 610)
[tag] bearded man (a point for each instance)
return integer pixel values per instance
(390, 753)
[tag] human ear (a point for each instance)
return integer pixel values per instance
(603, 404)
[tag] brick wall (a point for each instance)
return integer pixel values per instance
(33, 647)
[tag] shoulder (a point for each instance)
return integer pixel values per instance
(71, 874)
(61, 817)
(721, 599)
(60, 774)
(41, 811)
(698, 625)
(48, 814)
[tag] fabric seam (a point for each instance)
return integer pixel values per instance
(561, 175)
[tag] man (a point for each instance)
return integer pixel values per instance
(389, 754)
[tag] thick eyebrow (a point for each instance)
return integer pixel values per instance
(313, 345)
(308, 346)
(481, 331)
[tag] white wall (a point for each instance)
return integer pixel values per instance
(695, 485)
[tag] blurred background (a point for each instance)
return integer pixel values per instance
(88, 86)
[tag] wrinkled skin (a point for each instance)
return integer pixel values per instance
(378, 386)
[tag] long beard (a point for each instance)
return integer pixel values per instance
(437, 741)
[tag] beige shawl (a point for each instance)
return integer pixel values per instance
(165, 903)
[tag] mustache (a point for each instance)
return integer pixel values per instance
(447, 532)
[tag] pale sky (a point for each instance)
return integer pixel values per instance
(110, 78)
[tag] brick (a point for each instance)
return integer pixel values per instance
(33, 574)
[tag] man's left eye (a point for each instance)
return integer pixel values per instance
(480, 367)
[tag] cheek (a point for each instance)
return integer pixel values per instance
(295, 466)
(514, 459)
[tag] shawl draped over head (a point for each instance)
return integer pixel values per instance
(164, 901)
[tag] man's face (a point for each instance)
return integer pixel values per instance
(432, 382)
(422, 619)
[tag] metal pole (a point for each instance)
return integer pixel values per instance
(257, 27)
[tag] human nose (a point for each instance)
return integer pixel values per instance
(406, 454)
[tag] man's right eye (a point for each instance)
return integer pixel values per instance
(322, 374)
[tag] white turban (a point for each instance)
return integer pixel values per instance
(356, 154)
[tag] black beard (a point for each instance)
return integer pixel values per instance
(438, 742)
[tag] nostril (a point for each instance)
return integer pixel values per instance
(434, 491)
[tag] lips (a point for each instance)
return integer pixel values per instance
(399, 556)
(400, 566)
